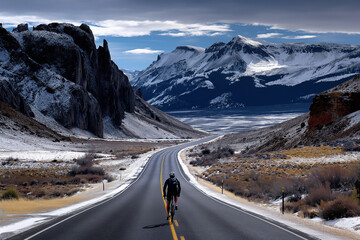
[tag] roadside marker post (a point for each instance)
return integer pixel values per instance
(283, 201)
(103, 186)
(222, 186)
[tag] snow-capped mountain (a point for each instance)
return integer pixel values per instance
(245, 72)
(131, 74)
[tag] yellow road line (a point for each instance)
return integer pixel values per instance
(162, 194)
(182, 238)
(176, 223)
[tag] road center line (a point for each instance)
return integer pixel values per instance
(162, 194)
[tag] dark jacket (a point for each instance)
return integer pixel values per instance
(169, 191)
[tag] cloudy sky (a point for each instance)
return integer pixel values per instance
(139, 30)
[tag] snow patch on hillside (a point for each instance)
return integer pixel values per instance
(354, 119)
(248, 41)
(140, 128)
(336, 78)
(222, 99)
(263, 67)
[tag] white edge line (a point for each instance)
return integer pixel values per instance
(183, 166)
(98, 204)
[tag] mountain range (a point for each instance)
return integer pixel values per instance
(245, 72)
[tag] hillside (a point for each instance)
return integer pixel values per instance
(56, 74)
(234, 74)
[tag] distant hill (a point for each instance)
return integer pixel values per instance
(334, 118)
(245, 72)
(55, 74)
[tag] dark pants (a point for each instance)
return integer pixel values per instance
(168, 203)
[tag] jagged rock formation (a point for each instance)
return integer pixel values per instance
(227, 75)
(59, 71)
(55, 71)
(335, 103)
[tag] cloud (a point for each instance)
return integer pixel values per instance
(268, 35)
(122, 28)
(179, 34)
(320, 16)
(280, 35)
(139, 51)
(300, 37)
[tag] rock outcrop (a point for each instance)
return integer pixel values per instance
(55, 72)
(11, 97)
(334, 104)
(59, 71)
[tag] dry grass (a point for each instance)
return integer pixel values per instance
(261, 176)
(24, 206)
(53, 179)
(313, 151)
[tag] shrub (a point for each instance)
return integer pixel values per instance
(310, 213)
(109, 178)
(205, 151)
(87, 170)
(340, 207)
(318, 194)
(86, 161)
(335, 175)
(75, 180)
(294, 207)
(11, 193)
(94, 178)
(292, 187)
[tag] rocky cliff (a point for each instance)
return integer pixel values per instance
(59, 71)
(335, 103)
(55, 72)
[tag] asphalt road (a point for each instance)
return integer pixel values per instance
(139, 213)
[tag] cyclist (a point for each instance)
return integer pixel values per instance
(173, 189)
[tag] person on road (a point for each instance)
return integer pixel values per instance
(171, 188)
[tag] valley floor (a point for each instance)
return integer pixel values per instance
(38, 211)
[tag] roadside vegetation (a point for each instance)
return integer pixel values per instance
(48, 179)
(51, 179)
(318, 181)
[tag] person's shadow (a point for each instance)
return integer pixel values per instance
(156, 225)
